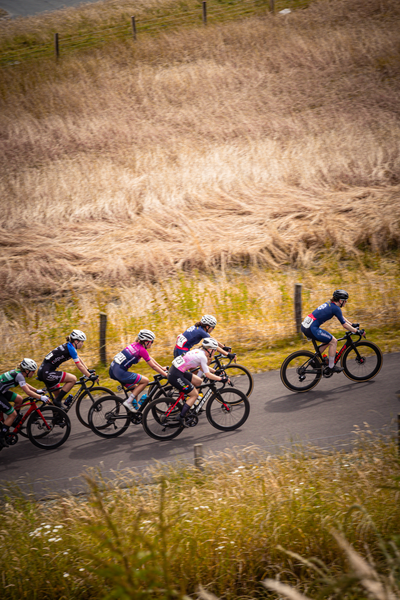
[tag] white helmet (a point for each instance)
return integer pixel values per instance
(28, 364)
(145, 335)
(77, 336)
(209, 343)
(208, 320)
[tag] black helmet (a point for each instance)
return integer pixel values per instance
(340, 295)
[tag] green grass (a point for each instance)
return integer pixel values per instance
(226, 528)
(93, 26)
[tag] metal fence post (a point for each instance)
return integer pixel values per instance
(297, 307)
(198, 457)
(103, 329)
(133, 28)
(56, 45)
(204, 12)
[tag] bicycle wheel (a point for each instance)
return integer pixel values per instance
(108, 417)
(241, 378)
(87, 399)
(50, 430)
(156, 424)
(226, 411)
(24, 409)
(362, 362)
(297, 372)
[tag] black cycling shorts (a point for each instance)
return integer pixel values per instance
(52, 379)
(180, 381)
(5, 399)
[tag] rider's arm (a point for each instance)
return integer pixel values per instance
(154, 365)
(349, 327)
(32, 393)
(82, 367)
(78, 361)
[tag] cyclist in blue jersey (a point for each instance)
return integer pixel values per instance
(195, 334)
(52, 378)
(12, 379)
(311, 326)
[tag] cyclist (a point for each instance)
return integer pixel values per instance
(197, 332)
(54, 379)
(311, 326)
(13, 378)
(183, 380)
(131, 356)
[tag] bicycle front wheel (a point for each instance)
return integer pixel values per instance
(298, 373)
(23, 410)
(86, 401)
(228, 409)
(362, 362)
(241, 378)
(155, 422)
(49, 427)
(108, 417)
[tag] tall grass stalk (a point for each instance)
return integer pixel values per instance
(222, 528)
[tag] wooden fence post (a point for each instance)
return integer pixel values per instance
(204, 12)
(198, 456)
(56, 45)
(133, 28)
(297, 307)
(272, 6)
(103, 329)
(398, 433)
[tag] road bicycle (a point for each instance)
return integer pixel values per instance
(226, 409)
(303, 370)
(109, 418)
(47, 426)
(84, 398)
(240, 376)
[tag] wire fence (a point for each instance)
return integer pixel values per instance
(61, 45)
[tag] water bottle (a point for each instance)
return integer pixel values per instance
(198, 399)
(68, 400)
(142, 399)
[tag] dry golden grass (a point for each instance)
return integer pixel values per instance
(270, 141)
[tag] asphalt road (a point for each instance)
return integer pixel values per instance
(26, 8)
(325, 416)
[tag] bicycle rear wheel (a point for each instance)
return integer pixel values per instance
(86, 401)
(156, 424)
(298, 373)
(49, 428)
(362, 362)
(108, 417)
(241, 378)
(228, 409)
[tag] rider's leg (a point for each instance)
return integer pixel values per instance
(332, 352)
(68, 382)
(139, 383)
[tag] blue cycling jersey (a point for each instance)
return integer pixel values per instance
(189, 338)
(327, 311)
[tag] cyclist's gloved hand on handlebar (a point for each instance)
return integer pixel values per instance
(224, 379)
(93, 377)
(231, 355)
(45, 399)
(356, 325)
(226, 348)
(92, 370)
(361, 332)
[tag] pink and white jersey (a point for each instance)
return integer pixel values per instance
(191, 360)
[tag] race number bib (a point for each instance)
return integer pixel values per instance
(307, 322)
(178, 361)
(119, 358)
(181, 341)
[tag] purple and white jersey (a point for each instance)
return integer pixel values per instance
(131, 356)
(191, 360)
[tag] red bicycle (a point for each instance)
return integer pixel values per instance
(47, 426)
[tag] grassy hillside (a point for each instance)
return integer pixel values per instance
(254, 153)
